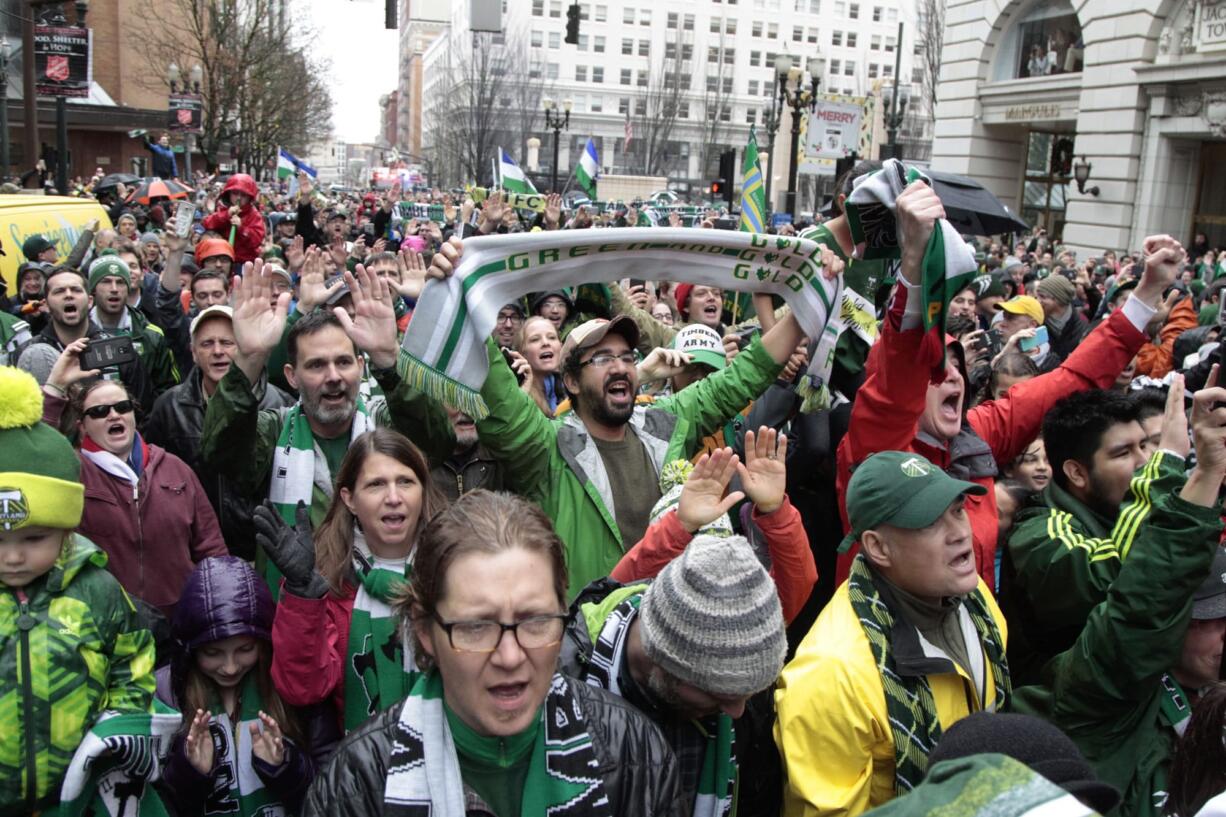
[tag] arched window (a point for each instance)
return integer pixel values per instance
(1046, 40)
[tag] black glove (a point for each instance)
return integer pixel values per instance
(292, 550)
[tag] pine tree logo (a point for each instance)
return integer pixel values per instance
(915, 467)
(14, 509)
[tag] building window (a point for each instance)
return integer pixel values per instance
(729, 56)
(584, 12)
(798, 34)
(640, 107)
(917, 74)
(538, 39)
(683, 109)
(670, 50)
(890, 43)
(875, 43)
(555, 8)
(627, 46)
(538, 8)
(582, 42)
(772, 30)
(851, 39)
(853, 11)
(1046, 41)
(644, 48)
(551, 71)
(725, 114)
(716, 25)
(628, 16)
(644, 17)
(580, 73)
(840, 8)
(757, 28)
(626, 76)
(811, 35)
(641, 79)
(687, 51)
(836, 38)
(751, 117)
(727, 85)
(555, 39)
(891, 15)
(534, 72)
(712, 84)
(673, 19)
(597, 104)
(598, 44)
(834, 67)
(1044, 188)
(623, 105)
(753, 87)
(872, 70)
(597, 73)
(713, 53)
(688, 22)
(887, 71)
(849, 68)
(877, 10)
(602, 14)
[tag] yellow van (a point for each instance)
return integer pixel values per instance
(60, 218)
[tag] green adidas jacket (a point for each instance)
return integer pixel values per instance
(1106, 691)
(71, 649)
(238, 438)
(556, 464)
(1062, 557)
(14, 336)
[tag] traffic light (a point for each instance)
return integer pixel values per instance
(572, 24)
(727, 172)
(719, 189)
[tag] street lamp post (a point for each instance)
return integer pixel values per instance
(897, 100)
(5, 53)
(55, 16)
(799, 97)
(771, 118)
(556, 120)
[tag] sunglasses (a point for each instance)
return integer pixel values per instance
(100, 412)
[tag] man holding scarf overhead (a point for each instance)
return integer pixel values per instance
(595, 472)
(292, 454)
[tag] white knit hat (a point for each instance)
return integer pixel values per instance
(712, 618)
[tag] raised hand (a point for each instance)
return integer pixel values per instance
(674, 219)
(553, 211)
(523, 370)
(702, 499)
(258, 326)
(338, 252)
(312, 289)
(412, 268)
(1175, 420)
(1164, 257)
(444, 262)
(919, 208)
(295, 254)
(392, 196)
(491, 214)
(764, 474)
(267, 744)
(199, 744)
(67, 369)
(373, 325)
(661, 364)
(1209, 437)
(291, 549)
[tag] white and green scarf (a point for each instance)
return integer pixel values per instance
(444, 352)
(423, 773)
(379, 664)
(718, 779)
(949, 263)
(238, 789)
(113, 770)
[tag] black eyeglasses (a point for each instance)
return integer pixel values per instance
(605, 359)
(484, 636)
(100, 412)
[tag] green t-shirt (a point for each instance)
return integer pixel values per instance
(334, 452)
(495, 768)
(635, 488)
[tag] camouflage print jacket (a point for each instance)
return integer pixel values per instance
(70, 648)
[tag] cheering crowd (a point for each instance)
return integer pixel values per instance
(298, 517)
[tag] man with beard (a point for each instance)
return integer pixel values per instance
(293, 454)
(177, 421)
(506, 326)
(68, 319)
(110, 284)
(595, 471)
(1067, 546)
(470, 466)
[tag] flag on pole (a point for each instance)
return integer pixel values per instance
(589, 169)
(288, 166)
(629, 134)
(513, 179)
(753, 194)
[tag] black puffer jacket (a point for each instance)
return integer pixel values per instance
(175, 424)
(639, 770)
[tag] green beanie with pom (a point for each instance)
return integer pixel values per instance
(40, 474)
(106, 266)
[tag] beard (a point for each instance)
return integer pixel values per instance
(598, 402)
(311, 404)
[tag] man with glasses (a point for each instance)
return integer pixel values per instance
(507, 325)
(177, 421)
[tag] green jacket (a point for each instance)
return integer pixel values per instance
(238, 439)
(556, 464)
(1106, 691)
(1062, 557)
(14, 336)
(70, 650)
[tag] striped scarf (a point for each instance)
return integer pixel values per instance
(717, 782)
(912, 711)
(378, 668)
(237, 789)
(423, 772)
(444, 353)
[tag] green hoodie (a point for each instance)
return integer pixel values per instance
(71, 649)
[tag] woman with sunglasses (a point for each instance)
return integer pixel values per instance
(143, 505)
(489, 726)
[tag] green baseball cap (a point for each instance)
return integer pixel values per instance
(902, 489)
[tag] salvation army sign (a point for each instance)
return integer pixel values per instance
(185, 113)
(61, 61)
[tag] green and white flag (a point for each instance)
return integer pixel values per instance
(513, 178)
(288, 166)
(444, 351)
(589, 169)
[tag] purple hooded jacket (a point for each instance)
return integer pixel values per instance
(225, 597)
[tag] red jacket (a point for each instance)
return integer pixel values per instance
(247, 239)
(792, 565)
(310, 638)
(885, 416)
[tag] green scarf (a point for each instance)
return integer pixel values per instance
(1174, 706)
(298, 467)
(377, 673)
(237, 789)
(424, 772)
(908, 698)
(718, 780)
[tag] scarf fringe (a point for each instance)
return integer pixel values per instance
(440, 387)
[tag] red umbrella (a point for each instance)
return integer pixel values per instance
(152, 188)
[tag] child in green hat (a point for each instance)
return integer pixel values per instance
(70, 645)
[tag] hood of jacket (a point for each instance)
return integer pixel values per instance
(223, 597)
(240, 183)
(78, 552)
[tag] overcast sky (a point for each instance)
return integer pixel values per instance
(363, 57)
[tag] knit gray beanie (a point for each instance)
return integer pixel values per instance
(712, 619)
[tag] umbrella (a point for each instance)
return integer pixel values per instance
(151, 188)
(115, 179)
(971, 208)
